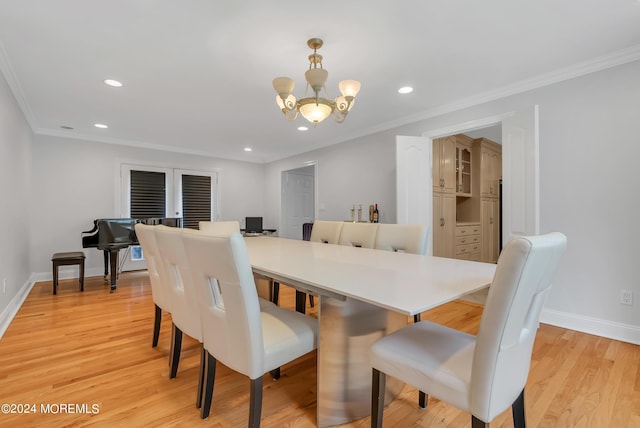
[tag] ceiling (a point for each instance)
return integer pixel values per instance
(197, 73)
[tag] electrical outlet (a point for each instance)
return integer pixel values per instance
(626, 297)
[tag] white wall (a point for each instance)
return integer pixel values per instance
(15, 176)
(589, 153)
(359, 172)
(74, 182)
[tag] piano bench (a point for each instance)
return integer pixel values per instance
(65, 259)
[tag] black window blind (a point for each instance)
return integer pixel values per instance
(196, 200)
(148, 194)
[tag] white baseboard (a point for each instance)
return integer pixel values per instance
(609, 329)
(14, 305)
(68, 273)
(604, 328)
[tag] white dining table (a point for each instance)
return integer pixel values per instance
(364, 294)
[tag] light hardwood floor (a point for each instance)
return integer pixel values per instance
(94, 349)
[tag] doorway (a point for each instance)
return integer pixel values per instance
(520, 211)
(297, 205)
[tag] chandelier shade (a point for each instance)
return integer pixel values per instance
(315, 108)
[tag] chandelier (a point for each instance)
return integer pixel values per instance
(315, 108)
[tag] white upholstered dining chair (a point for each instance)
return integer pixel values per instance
(159, 292)
(238, 331)
(406, 238)
(484, 374)
(326, 231)
(358, 234)
(218, 228)
(185, 315)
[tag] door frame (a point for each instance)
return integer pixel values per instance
(284, 199)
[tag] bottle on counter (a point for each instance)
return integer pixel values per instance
(375, 214)
(370, 213)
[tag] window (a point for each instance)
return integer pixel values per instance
(196, 199)
(151, 192)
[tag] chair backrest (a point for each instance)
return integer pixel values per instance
(502, 355)
(147, 238)
(229, 304)
(408, 238)
(358, 234)
(306, 231)
(219, 228)
(186, 314)
(326, 231)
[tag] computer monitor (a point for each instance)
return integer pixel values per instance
(253, 225)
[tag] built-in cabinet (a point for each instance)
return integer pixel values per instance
(490, 229)
(490, 168)
(466, 215)
(490, 174)
(468, 241)
(444, 169)
(463, 170)
(444, 224)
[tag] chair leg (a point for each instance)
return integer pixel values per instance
(175, 355)
(417, 318)
(477, 423)
(275, 292)
(156, 326)
(209, 380)
(378, 384)
(301, 302)
(422, 400)
(517, 409)
(55, 278)
(201, 374)
(82, 275)
(255, 402)
(275, 373)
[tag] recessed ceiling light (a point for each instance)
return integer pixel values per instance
(67, 127)
(248, 149)
(100, 125)
(302, 128)
(113, 83)
(405, 90)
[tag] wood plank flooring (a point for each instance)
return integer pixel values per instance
(85, 359)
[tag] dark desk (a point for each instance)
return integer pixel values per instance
(265, 232)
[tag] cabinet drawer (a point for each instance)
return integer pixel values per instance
(471, 239)
(474, 257)
(467, 248)
(472, 229)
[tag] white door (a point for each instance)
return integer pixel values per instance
(413, 182)
(520, 175)
(297, 201)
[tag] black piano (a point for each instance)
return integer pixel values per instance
(111, 235)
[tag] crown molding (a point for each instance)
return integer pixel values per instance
(603, 62)
(10, 76)
(118, 141)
